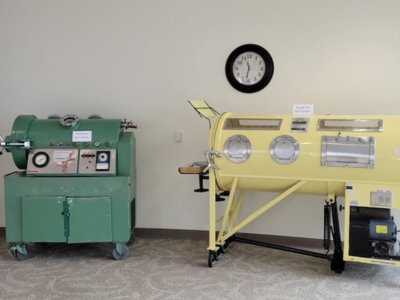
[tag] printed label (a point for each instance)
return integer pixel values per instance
(381, 229)
(82, 136)
(64, 155)
(353, 202)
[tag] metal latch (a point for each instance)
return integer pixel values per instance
(208, 154)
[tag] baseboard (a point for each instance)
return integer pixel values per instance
(159, 233)
(203, 235)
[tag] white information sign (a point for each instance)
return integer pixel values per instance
(82, 136)
(303, 109)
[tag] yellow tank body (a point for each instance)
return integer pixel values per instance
(328, 151)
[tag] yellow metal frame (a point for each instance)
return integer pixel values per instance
(228, 226)
(231, 211)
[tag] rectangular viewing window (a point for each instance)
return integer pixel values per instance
(350, 125)
(349, 151)
(253, 124)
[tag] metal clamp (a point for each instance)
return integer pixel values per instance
(208, 154)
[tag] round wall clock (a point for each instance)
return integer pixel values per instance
(249, 68)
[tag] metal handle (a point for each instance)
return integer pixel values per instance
(3, 144)
(208, 154)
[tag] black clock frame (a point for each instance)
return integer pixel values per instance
(269, 65)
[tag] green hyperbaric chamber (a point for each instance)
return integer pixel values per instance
(77, 182)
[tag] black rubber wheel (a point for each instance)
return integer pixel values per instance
(337, 263)
(20, 256)
(124, 254)
(211, 259)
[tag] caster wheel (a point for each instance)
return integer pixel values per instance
(211, 259)
(122, 256)
(225, 247)
(337, 266)
(337, 263)
(18, 255)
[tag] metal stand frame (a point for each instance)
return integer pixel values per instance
(226, 235)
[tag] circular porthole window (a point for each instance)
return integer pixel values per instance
(237, 148)
(284, 149)
(69, 121)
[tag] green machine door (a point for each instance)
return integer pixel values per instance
(43, 219)
(62, 219)
(89, 219)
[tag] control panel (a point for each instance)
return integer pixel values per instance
(381, 198)
(96, 161)
(71, 161)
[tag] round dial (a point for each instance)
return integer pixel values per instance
(103, 157)
(249, 68)
(40, 159)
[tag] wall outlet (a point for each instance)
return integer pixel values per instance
(177, 137)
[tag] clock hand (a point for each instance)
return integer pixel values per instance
(248, 70)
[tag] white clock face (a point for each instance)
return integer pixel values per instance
(248, 68)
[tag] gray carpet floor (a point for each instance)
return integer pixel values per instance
(177, 269)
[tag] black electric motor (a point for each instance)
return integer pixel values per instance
(373, 233)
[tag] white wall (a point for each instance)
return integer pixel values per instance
(142, 60)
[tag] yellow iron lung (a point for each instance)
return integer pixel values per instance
(357, 157)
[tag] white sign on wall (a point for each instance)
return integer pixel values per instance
(303, 109)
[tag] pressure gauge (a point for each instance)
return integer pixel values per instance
(40, 159)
